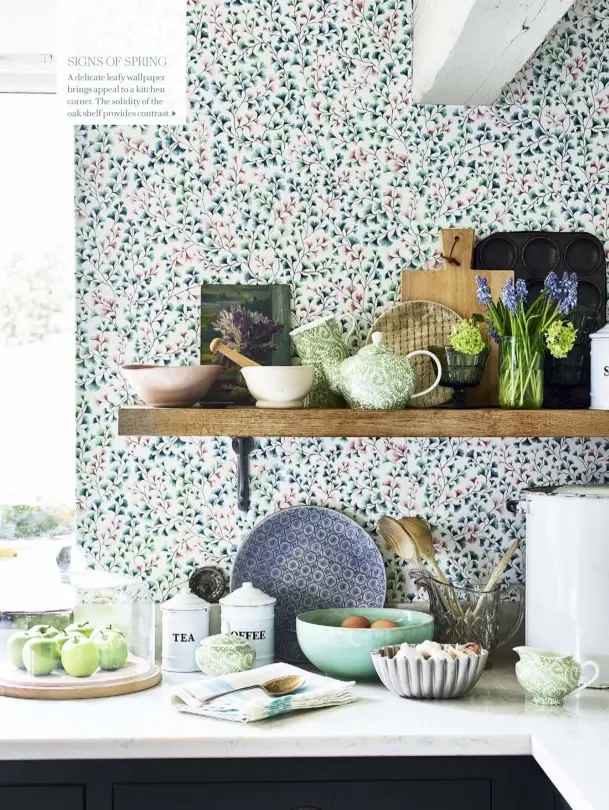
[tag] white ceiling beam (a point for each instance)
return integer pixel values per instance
(465, 51)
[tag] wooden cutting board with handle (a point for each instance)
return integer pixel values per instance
(455, 287)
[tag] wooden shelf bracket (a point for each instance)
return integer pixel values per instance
(242, 447)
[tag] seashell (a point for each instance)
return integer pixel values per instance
(408, 652)
(428, 648)
(443, 655)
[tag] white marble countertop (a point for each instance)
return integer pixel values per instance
(571, 744)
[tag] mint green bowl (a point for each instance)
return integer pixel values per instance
(344, 652)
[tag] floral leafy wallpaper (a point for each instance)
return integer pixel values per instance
(304, 162)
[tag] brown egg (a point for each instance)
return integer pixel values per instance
(383, 624)
(356, 622)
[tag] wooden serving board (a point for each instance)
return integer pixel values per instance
(44, 689)
(455, 287)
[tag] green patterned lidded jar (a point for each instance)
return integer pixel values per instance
(224, 654)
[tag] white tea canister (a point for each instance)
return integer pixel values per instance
(251, 614)
(599, 369)
(185, 624)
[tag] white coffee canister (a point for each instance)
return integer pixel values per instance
(250, 613)
(599, 369)
(185, 624)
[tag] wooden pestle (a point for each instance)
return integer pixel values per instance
(218, 347)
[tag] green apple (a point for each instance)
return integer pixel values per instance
(79, 656)
(113, 650)
(110, 627)
(44, 630)
(41, 655)
(63, 637)
(15, 645)
(84, 628)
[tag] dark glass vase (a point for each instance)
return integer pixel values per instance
(460, 371)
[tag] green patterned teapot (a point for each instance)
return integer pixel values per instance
(376, 378)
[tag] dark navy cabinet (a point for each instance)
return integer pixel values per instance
(365, 783)
(49, 797)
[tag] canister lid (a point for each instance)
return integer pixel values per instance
(248, 596)
(186, 600)
(602, 334)
(577, 490)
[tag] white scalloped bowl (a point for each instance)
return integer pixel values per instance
(429, 679)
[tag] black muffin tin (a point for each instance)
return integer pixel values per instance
(534, 254)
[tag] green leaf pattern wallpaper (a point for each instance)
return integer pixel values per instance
(304, 162)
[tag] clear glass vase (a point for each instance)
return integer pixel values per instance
(521, 373)
(464, 613)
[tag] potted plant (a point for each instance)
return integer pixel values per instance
(464, 361)
(525, 332)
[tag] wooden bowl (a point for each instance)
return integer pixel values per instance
(171, 386)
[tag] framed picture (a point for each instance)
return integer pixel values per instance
(254, 320)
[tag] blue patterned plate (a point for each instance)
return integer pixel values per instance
(310, 557)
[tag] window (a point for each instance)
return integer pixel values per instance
(37, 476)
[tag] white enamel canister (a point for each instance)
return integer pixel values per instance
(185, 624)
(599, 369)
(250, 613)
(567, 573)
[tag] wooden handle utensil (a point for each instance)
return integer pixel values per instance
(217, 346)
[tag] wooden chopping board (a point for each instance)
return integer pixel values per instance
(455, 287)
(17, 684)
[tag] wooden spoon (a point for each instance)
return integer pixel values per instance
(500, 567)
(498, 571)
(276, 687)
(398, 540)
(217, 346)
(420, 536)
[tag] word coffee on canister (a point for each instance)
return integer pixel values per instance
(250, 613)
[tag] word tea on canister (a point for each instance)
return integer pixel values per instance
(185, 625)
(599, 369)
(250, 613)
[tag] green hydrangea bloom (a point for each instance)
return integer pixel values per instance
(466, 338)
(560, 338)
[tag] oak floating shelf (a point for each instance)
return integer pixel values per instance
(258, 422)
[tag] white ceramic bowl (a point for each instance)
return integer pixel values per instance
(171, 386)
(427, 678)
(279, 386)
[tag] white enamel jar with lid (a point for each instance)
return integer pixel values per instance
(185, 624)
(567, 572)
(250, 613)
(599, 369)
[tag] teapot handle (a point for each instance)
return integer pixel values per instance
(436, 383)
(349, 318)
